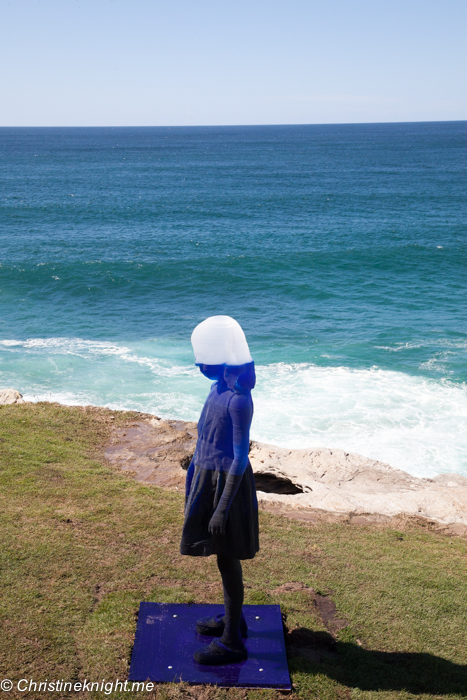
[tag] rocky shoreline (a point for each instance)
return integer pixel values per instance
(308, 484)
(305, 484)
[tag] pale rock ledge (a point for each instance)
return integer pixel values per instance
(339, 482)
(10, 396)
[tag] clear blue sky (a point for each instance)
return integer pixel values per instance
(183, 62)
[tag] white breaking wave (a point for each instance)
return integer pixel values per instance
(85, 348)
(411, 422)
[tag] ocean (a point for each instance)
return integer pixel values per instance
(340, 249)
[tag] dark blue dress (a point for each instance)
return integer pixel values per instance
(222, 447)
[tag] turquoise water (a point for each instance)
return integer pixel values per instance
(339, 248)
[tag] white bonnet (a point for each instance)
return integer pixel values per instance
(220, 340)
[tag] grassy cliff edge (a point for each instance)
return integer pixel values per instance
(369, 612)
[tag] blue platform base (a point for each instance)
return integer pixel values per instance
(166, 640)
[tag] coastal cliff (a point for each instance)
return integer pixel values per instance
(302, 482)
(305, 481)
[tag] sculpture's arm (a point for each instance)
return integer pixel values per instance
(241, 413)
(189, 478)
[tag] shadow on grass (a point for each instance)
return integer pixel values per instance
(356, 667)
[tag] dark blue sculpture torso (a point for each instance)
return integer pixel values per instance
(224, 430)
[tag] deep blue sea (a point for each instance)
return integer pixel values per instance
(340, 249)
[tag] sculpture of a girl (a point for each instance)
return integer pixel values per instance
(221, 511)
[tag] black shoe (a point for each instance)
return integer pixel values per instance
(217, 654)
(214, 626)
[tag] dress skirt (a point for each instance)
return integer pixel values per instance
(241, 538)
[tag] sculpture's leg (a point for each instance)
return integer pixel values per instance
(230, 647)
(232, 581)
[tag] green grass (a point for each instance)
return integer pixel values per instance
(81, 545)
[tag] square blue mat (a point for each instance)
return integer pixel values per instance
(166, 639)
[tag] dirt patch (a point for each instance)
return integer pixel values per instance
(315, 516)
(328, 613)
(326, 609)
(154, 451)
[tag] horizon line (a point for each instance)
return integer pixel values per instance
(220, 126)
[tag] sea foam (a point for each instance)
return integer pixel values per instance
(411, 422)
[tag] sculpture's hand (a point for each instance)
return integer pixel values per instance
(217, 523)
(219, 519)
